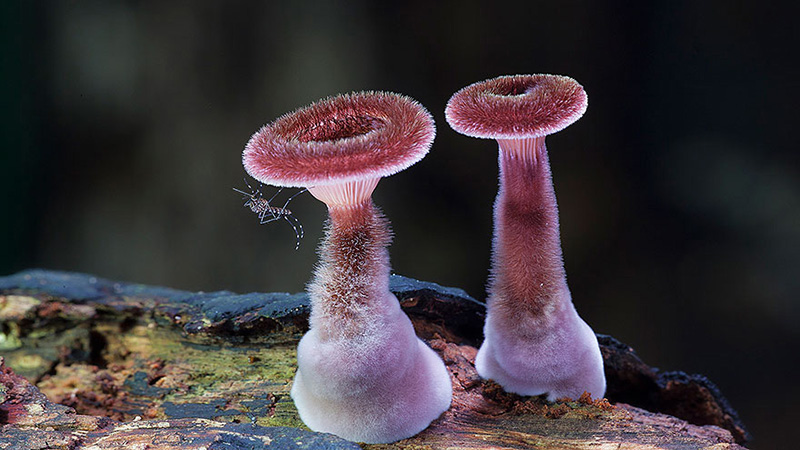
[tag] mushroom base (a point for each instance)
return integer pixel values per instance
(379, 387)
(560, 358)
(363, 374)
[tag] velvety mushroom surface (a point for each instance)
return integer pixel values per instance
(534, 341)
(363, 374)
(339, 139)
(516, 106)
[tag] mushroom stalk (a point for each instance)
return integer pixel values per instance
(363, 374)
(349, 291)
(528, 279)
(534, 341)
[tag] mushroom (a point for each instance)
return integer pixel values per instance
(534, 340)
(363, 374)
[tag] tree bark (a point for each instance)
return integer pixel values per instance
(100, 364)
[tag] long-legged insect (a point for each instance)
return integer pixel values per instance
(267, 213)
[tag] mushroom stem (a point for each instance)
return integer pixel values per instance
(363, 373)
(535, 342)
(528, 274)
(350, 286)
(350, 291)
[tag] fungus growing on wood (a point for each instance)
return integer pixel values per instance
(534, 340)
(363, 374)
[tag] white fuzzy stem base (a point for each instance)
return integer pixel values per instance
(363, 374)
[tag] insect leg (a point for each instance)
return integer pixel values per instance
(248, 185)
(268, 215)
(242, 192)
(297, 234)
(283, 209)
(297, 224)
(269, 202)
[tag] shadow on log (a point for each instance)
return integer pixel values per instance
(113, 362)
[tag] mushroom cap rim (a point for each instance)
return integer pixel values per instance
(404, 125)
(492, 128)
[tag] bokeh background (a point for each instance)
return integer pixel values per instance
(123, 124)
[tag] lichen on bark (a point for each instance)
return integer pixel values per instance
(107, 362)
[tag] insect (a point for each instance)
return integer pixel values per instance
(267, 213)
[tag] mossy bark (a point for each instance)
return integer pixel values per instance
(105, 363)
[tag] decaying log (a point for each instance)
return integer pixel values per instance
(30, 421)
(109, 364)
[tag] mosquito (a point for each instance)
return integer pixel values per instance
(267, 213)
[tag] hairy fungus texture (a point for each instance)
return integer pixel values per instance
(534, 340)
(342, 138)
(363, 374)
(516, 106)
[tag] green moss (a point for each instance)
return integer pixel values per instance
(9, 337)
(285, 416)
(253, 381)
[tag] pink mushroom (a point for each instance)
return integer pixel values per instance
(363, 374)
(534, 340)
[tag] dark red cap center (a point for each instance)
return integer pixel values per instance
(335, 128)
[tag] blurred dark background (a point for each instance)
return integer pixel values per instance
(123, 124)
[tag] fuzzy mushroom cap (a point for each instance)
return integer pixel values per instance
(516, 106)
(340, 139)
